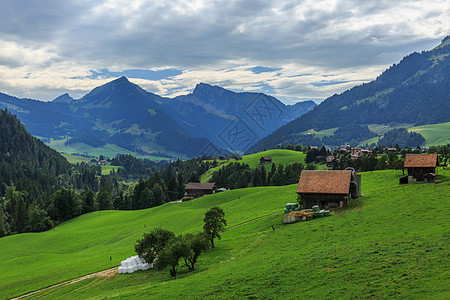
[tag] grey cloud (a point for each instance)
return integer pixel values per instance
(267, 33)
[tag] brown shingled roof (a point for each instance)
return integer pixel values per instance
(200, 186)
(327, 182)
(420, 160)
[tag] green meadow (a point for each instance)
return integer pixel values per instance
(435, 134)
(108, 150)
(393, 242)
(76, 159)
(279, 156)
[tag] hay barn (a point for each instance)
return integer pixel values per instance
(199, 189)
(328, 189)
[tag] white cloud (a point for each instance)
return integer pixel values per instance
(49, 47)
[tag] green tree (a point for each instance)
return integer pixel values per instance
(89, 202)
(67, 205)
(3, 231)
(146, 199)
(104, 199)
(432, 150)
(38, 220)
(152, 243)
(198, 243)
(214, 223)
(158, 192)
(289, 147)
(170, 255)
(444, 154)
(180, 185)
(194, 177)
(171, 185)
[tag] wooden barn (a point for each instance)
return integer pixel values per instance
(265, 160)
(331, 161)
(199, 189)
(328, 189)
(420, 166)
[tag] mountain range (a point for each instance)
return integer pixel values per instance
(209, 121)
(415, 91)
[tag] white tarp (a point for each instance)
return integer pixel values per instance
(132, 264)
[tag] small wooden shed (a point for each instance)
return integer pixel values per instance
(328, 189)
(419, 166)
(265, 160)
(331, 161)
(199, 189)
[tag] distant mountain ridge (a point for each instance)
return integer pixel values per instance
(205, 122)
(63, 98)
(232, 120)
(416, 90)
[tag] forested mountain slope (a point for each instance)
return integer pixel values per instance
(416, 90)
(26, 162)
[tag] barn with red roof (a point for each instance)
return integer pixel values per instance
(328, 189)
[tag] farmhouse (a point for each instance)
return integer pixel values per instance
(355, 153)
(328, 189)
(198, 189)
(265, 160)
(420, 167)
(331, 161)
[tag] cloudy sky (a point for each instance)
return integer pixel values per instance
(293, 50)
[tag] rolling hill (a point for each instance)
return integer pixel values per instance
(279, 156)
(387, 244)
(416, 90)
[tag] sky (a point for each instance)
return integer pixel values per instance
(293, 50)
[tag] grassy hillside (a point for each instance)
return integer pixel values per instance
(392, 242)
(85, 244)
(108, 150)
(76, 159)
(435, 134)
(279, 156)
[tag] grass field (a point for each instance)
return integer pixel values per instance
(391, 243)
(321, 133)
(108, 150)
(279, 156)
(76, 159)
(435, 134)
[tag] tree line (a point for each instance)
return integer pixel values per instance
(237, 175)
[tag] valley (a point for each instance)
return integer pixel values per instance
(388, 244)
(82, 181)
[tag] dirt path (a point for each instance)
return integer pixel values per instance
(112, 271)
(104, 273)
(277, 213)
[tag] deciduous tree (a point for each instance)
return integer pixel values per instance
(151, 245)
(214, 223)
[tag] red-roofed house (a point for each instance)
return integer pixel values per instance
(199, 189)
(328, 189)
(420, 166)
